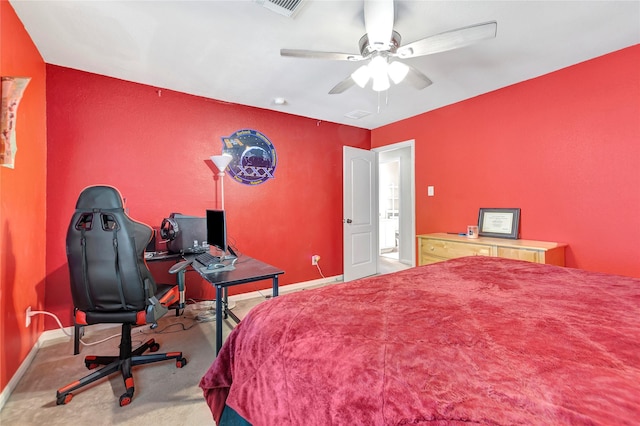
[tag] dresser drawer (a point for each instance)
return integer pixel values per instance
(453, 249)
(425, 259)
(520, 254)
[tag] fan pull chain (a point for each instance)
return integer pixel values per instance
(386, 100)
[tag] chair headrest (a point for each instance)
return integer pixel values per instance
(100, 197)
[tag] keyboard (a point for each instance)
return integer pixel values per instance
(207, 259)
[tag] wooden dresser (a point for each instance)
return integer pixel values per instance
(438, 247)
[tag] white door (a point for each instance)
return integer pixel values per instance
(360, 213)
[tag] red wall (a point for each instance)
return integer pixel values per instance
(564, 147)
(22, 201)
(154, 147)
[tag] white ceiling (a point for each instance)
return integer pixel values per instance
(230, 50)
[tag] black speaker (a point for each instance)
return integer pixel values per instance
(182, 231)
(151, 247)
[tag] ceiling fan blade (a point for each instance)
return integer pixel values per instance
(417, 79)
(342, 86)
(313, 54)
(378, 21)
(449, 40)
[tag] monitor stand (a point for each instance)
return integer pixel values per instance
(232, 254)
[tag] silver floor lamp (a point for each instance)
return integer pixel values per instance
(221, 162)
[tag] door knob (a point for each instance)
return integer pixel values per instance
(349, 221)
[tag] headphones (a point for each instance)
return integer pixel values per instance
(169, 228)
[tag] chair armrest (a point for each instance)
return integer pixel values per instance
(180, 269)
(180, 266)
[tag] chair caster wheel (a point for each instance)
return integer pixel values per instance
(125, 398)
(154, 347)
(181, 362)
(64, 399)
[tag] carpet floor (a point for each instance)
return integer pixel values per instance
(164, 394)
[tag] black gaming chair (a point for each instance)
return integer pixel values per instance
(110, 283)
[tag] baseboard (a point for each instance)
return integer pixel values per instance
(6, 392)
(52, 336)
(45, 338)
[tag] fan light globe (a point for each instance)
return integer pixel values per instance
(381, 83)
(361, 76)
(398, 71)
(378, 68)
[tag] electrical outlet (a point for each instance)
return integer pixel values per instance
(28, 319)
(315, 259)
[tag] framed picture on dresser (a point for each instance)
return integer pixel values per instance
(499, 222)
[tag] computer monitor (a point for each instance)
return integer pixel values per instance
(217, 231)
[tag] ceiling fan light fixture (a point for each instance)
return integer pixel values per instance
(381, 83)
(361, 76)
(398, 71)
(379, 69)
(381, 46)
(378, 65)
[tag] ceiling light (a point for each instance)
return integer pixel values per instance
(398, 71)
(279, 101)
(361, 76)
(381, 83)
(378, 65)
(378, 68)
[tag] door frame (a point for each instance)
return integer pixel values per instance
(406, 193)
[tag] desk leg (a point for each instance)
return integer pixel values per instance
(226, 302)
(275, 286)
(78, 332)
(218, 318)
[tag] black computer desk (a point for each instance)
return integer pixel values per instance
(247, 270)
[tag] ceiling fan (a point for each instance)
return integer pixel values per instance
(381, 47)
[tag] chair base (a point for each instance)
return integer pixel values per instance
(123, 363)
(78, 329)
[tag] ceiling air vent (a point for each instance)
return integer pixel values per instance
(357, 114)
(287, 8)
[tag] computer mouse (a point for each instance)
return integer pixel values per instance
(215, 266)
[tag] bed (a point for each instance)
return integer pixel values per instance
(470, 340)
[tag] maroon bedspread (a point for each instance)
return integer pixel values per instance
(478, 339)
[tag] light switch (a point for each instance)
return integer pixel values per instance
(430, 191)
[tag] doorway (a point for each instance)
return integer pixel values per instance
(396, 242)
(389, 207)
